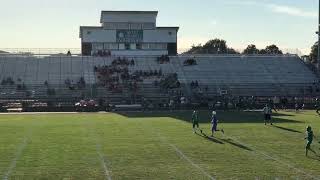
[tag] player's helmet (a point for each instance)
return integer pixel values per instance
(309, 128)
(214, 113)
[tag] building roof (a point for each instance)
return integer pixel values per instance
(135, 12)
(91, 27)
(168, 27)
(127, 12)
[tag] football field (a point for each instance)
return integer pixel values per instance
(156, 145)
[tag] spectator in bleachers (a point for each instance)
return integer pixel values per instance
(192, 84)
(190, 62)
(163, 59)
(7, 81)
(196, 84)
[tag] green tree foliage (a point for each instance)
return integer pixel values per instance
(273, 49)
(314, 53)
(219, 46)
(251, 49)
(214, 46)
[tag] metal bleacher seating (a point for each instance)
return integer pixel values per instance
(240, 75)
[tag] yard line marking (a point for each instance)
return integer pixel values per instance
(102, 158)
(15, 159)
(178, 151)
(275, 159)
(103, 162)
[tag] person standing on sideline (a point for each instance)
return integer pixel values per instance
(309, 139)
(267, 114)
(296, 106)
(317, 106)
(195, 121)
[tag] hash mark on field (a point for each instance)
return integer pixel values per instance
(15, 159)
(275, 159)
(178, 151)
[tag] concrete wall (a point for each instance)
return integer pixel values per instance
(100, 35)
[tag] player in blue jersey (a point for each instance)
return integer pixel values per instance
(214, 123)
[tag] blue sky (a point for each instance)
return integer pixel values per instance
(290, 24)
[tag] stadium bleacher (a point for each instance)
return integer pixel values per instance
(269, 76)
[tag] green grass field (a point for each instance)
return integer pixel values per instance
(156, 146)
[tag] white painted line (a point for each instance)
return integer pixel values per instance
(190, 161)
(15, 159)
(178, 151)
(255, 151)
(101, 156)
(103, 162)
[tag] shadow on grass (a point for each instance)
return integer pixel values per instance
(205, 116)
(316, 158)
(212, 139)
(231, 142)
(287, 129)
(223, 141)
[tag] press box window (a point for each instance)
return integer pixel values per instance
(138, 46)
(127, 46)
(133, 46)
(121, 46)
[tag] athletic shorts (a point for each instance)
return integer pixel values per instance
(194, 124)
(267, 117)
(214, 127)
(308, 144)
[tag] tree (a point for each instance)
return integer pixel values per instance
(273, 49)
(214, 46)
(232, 51)
(314, 53)
(251, 49)
(195, 49)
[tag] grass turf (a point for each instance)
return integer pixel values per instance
(156, 146)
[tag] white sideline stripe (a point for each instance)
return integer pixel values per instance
(103, 163)
(186, 158)
(15, 159)
(101, 156)
(275, 159)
